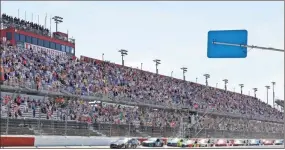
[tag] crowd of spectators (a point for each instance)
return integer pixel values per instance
(41, 71)
(9, 21)
(83, 111)
(119, 83)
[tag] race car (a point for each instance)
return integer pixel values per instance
(254, 142)
(189, 143)
(221, 142)
(153, 142)
(204, 143)
(125, 143)
(174, 142)
(238, 142)
(279, 142)
(267, 142)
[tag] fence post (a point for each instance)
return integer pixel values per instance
(39, 116)
(129, 129)
(110, 129)
(98, 126)
(7, 124)
(52, 126)
(65, 124)
(89, 128)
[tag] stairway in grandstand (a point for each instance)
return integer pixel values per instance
(203, 128)
(28, 113)
(91, 128)
(193, 130)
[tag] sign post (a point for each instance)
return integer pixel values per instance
(231, 44)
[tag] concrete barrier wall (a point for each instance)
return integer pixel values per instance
(23, 140)
(73, 141)
(42, 141)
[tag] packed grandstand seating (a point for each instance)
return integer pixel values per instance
(124, 83)
(72, 76)
(41, 71)
(102, 116)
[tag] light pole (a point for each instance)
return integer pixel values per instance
(207, 76)
(157, 62)
(57, 21)
(123, 53)
(216, 85)
(184, 69)
(241, 86)
(273, 92)
(255, 90)
(196, 80)
(103, 56)
(171, 73)
(226, 82)
(267, 88)
(141, 65)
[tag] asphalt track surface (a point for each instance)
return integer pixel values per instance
(141, 147)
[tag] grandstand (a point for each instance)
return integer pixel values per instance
(48, 91)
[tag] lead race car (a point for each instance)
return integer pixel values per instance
(153, 142)
(125, 143)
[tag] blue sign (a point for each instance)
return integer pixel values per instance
(229, 38)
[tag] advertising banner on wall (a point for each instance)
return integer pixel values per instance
(47, 50)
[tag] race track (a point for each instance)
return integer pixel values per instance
(165, 147)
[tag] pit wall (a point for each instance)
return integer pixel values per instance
(14, 140)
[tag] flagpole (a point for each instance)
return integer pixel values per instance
(50, 26)
(18, 13)
(25, 16)
(46, 20)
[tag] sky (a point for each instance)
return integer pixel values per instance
(175, 33)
